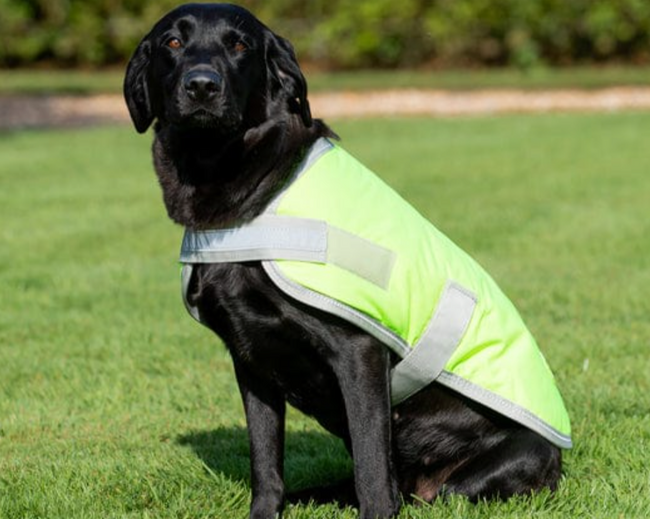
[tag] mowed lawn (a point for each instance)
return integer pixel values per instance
(115, 403)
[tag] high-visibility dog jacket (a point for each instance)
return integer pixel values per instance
(339, 239)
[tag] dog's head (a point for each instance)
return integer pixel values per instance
(213, 66)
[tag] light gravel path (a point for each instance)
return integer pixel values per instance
(52, 111)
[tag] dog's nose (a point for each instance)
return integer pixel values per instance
(202, 85)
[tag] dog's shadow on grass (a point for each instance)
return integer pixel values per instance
(317, 466)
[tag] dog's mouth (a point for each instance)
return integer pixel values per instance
(203, 117)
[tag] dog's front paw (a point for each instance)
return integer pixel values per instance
(380, 510)
(267, 508)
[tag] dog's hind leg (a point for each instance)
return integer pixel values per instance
(521, 463)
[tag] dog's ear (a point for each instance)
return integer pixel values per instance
(286, 82)
(136, 88)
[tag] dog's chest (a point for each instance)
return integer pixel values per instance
(275, 340)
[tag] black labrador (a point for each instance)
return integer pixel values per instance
(232, 121)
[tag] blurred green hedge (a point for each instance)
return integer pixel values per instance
(351, 33)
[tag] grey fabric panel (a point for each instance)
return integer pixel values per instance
(186, 275)
(439, 340)
(362, 257)
(332, 306)
(266, 237)
(505, 407)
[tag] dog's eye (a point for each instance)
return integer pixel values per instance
(174, 43)
(240, 47)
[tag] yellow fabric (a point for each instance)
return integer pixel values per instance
(497, 352)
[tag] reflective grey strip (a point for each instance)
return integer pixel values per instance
(186, 275)
(505, 407)
(332, 306)
(436, 345)
(274, 237)
(266, 237)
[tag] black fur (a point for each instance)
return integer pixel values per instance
(220, 156)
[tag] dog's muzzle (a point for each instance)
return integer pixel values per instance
(202, 85)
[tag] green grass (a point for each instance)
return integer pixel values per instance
(115, 404)
(41, 82)
(61, 81)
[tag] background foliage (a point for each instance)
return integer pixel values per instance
(351, 33)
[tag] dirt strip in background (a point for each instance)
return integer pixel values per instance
(482, 102)
(49, 111)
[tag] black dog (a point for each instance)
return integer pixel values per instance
(232, 122)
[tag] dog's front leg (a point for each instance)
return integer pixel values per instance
(362, 369)
(265, 409)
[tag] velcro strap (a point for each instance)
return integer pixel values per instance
(362, 257)
(277, 237)
(436, 345)
(268, 237)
